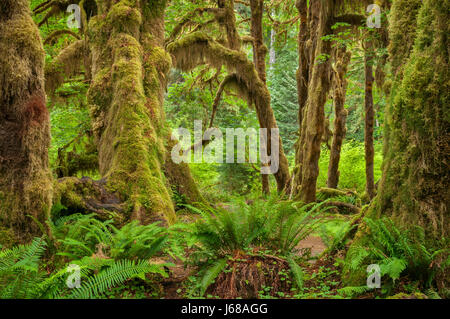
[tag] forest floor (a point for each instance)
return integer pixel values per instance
(174, 287)
(315, 243)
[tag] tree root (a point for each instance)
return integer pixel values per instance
(75, 195)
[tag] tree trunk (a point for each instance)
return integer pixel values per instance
(259, 59)
(369, 122)
(25, 179)
(414, 188)
(313, 115)
(129, 68)
(305, 54)
(342, 59)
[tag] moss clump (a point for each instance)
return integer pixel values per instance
(416, 295)
(7, 238)
(402, 30)
(73, 195)
(124, 18)
(66, 64)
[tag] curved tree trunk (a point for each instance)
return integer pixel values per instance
(129, 67)
(25, 179)
(340, 88)
(198, 48)
(302, 76)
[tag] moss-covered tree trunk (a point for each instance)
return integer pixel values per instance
(259, 58)
(342, 58)
(414, 188)
(313, 116)
(25, 179)
(129, 67)
(369, 122)
(302, 75)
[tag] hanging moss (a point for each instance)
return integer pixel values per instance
(74, 161)
(198, 48)
(66, 64)
(402, 30)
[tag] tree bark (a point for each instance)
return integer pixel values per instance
(369, 122)
(414, 188)
(313, 116)
(25, 179)
(259, 59)
(342, 59)
(129, 68)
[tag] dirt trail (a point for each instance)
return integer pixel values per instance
(315, 243)
(173, 285)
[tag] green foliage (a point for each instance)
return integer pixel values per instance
(297, 272)
(276, 225)
(334, 233)
(19, 270)
(282, 84)
(238, 178)
(107, 257)
(399, 253)
(353, 291)
(83, 235)
(211, 273)
(351, 166)
(115, 275)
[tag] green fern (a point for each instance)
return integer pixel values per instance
(116, 274)
(399, 252)
(19, 269)
(211, 274)
(85, 235)
(274, 224)
(297, 272)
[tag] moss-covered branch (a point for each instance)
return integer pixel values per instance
(69, 62)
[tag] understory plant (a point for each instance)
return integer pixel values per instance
(96, 253)
(400, 253)
(265, 230)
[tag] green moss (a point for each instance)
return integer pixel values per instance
(414, 186)
(7, 237)
(128, 118)
(124, 18)
(154, 8)
(25, 180)
(68, 193)
(416, 295)
(402, 30)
